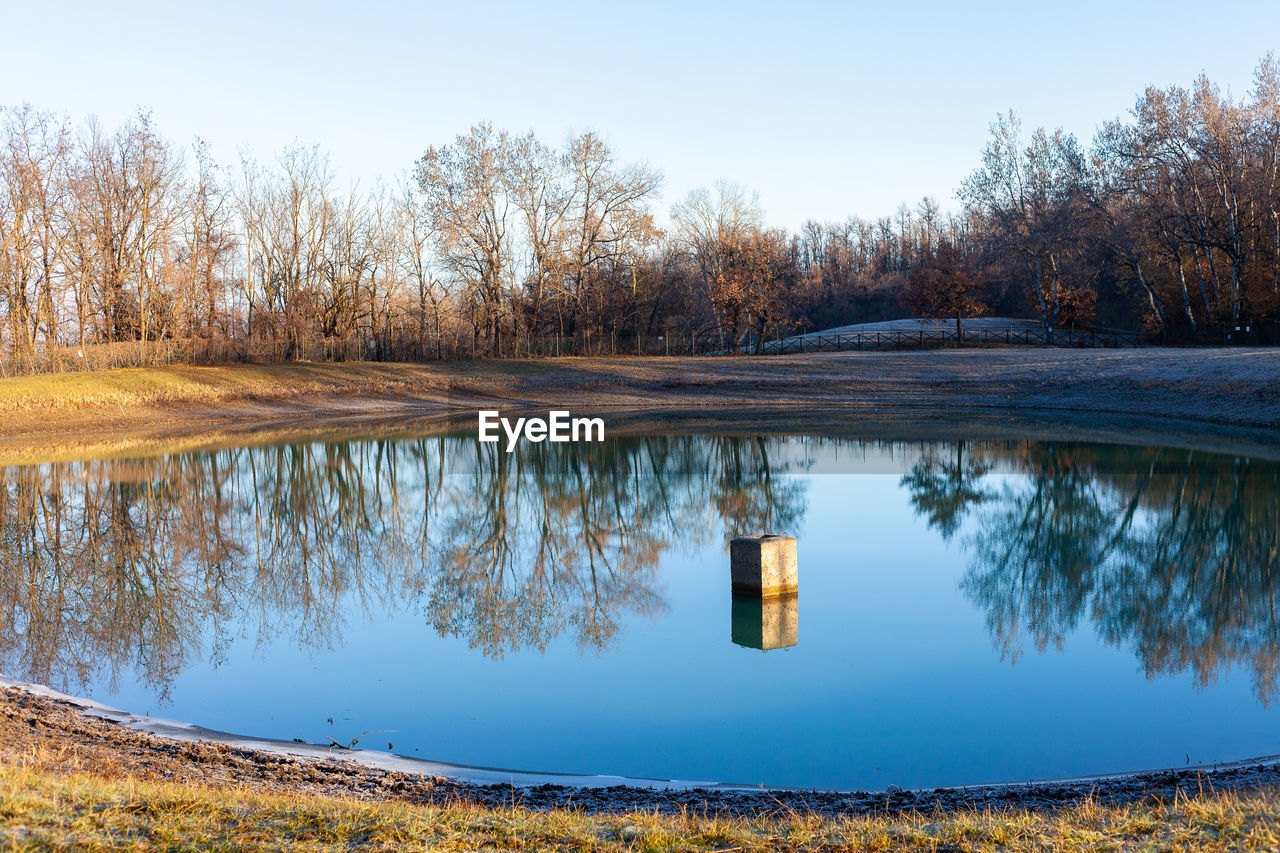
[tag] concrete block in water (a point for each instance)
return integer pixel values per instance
(765, 623)
(763, 565)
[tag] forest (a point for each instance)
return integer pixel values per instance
(119, 247)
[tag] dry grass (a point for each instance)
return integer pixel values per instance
(1245, 375)
(151, 386)
(53, 417)
(82, 415)
(41, 810)
(68, 780)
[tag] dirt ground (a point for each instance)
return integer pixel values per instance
(54, 735)
(1172, 391)
(1237, 388)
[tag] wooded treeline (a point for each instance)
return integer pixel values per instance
(118, 247)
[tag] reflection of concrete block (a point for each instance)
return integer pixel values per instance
(765, 565)
(765, 623)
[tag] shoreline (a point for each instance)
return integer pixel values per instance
(1231, 394)
(1217, 400)
(878, 423)
(160, 742)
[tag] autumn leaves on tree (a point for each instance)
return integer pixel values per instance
(118, 248)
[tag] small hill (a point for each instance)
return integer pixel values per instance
(913, 332)
(919, 324)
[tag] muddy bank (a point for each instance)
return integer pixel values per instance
(1234, 390)
(880, 423)
(61, 734)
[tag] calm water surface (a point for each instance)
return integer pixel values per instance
(968, 611)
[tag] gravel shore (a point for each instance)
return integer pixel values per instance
(56, 734)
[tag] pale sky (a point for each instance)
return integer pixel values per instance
(826, 109)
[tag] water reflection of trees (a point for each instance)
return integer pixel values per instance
(144, 565)
(1174, 553)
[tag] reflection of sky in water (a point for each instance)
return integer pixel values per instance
(894, 679)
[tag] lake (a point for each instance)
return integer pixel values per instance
(968, 611)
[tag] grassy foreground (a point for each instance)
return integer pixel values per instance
(40, 809)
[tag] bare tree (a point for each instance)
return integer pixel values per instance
(707, 224)
(1029, 194)
(465, 191)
